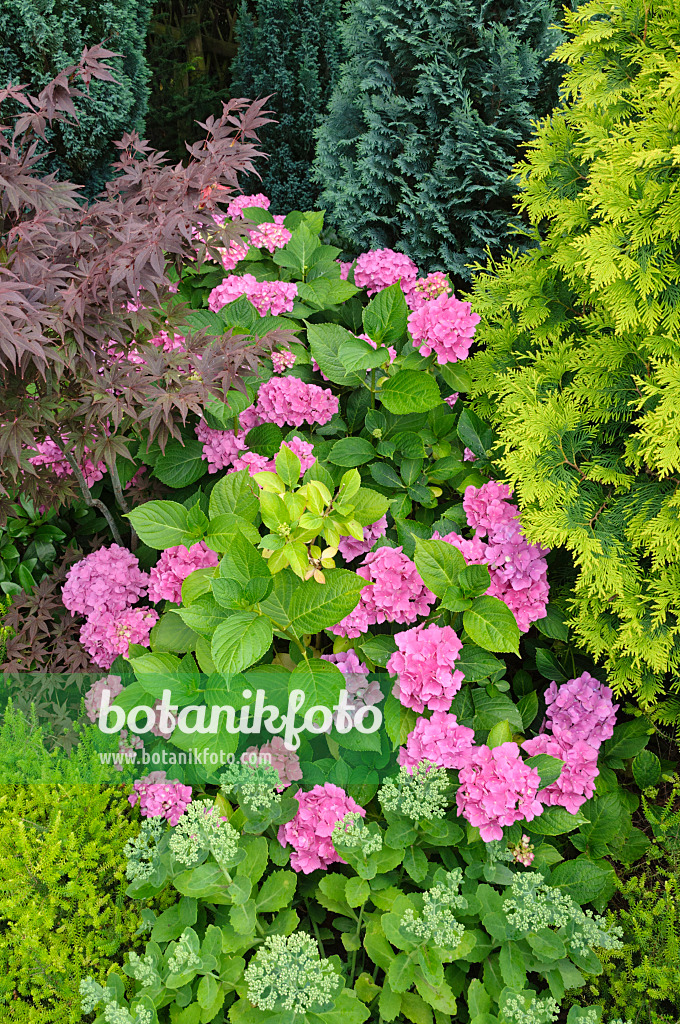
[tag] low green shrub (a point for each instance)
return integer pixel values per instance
(640, 980)
(63, 911)
(25, 757)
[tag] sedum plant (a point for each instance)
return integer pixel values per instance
(426, 923)
(577, 363)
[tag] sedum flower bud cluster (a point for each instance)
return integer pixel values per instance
(201, 828)
(142, 851)
(532, 905)
(255, 783)
(143, 969)
(288, 973)
(417, 792)
(354, 834)
(183, 957)
(437, 923)
(92, 993)
(539, 1011)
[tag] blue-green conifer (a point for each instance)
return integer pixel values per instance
(427, 120)
(38, 38)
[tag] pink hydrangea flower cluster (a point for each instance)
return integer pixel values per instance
(353, 670)
(220, 447)
(107, 580)
(427, 288)
(424, 665)
(469, 455)
(240, 203)
(350, 548)
(576, 782)
(274, 297)
(223, 449)
(497, 788)
(128, 746)
(159, 797)
(582, 708)
(398, 594)
(289, 400)
(488, 508)
(518, 573)
(344, 269)
(443, 325)
(452, 399)
(95, 695)
(282, 360)
(518, 569)
(380, 268)
(50, 455)
(271, 236)
(582, 716)
(105, 634)
(173, 567)
(236, 252)
(360, 692)
(523, 851)
(439, 739)
(255, 463)
(286, 762)
(309, 832)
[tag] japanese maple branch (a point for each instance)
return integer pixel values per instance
(87, 494)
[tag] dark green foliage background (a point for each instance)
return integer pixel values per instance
(38, 38)
(292, 50)
(427, 121)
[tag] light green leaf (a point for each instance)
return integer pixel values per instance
(369, 506)
(582, 879)
(222, 530)
(439, 564)
(181, 464)
(203, 616)
(240, 641)
(490, 709)
(351, 451)
(243, 562)
(323, 292)
(549, 768)
(235, 493)
(410, 391)
(491, 625)
(386, 315)
(647, 769)
(320, 681)
(316, 606)
(474, 433)
(512, 965)
(162, 524)
(325, 341)
(276, 892)
(555, 821)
